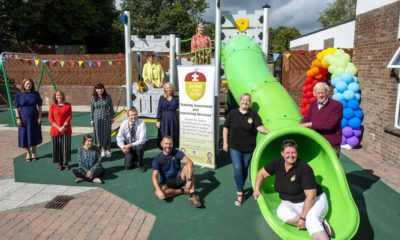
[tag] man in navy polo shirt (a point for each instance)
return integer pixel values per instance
(169, 180)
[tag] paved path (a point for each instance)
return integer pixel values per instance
(93, 213)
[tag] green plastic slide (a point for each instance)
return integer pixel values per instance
(246, 70)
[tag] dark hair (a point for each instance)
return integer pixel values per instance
(86, 137)
(288, 143)
(168, 137)
(150, 54)
(23, 85)
(99, 86)
(62, 95)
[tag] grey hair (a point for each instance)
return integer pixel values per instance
(245, 94)
(322, 84)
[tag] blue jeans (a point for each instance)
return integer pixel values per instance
(241, 163)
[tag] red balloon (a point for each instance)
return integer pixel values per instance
(310, 94)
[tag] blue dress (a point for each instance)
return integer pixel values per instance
(30, 132)
(168, 118)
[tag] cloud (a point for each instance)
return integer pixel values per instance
(301, 14)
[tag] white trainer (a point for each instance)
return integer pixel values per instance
(103, 154)
(108, 154)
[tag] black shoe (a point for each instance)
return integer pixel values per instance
(60, 168)
(142, 168)
(329, 231)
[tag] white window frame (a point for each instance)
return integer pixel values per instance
(397, 117)
(395, 56)
(392, 64)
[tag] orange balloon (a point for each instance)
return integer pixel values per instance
(316, 63)
(315, 70)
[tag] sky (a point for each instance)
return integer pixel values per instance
(302, 14)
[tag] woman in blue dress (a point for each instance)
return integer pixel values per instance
(167, 116)
(102, 114)
(89, 159)
(28, 113)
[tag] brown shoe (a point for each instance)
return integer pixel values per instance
(195, 200)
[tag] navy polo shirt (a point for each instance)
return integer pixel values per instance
(168, 165)
(291, 185)
(242, 129)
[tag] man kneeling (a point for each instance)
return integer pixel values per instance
(169, 180)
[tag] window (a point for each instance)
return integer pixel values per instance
(395, 63)
(397, 119)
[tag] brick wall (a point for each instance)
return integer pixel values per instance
(374, 45)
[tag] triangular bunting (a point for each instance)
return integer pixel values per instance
(37, 62)
(44, 61)
(62, 63)
(287, 55)
(80, 63)
(119, 61)
(275, 56)
(98, 63)
(90, 63)
(110, 62)
(53, 62)
(27, 60)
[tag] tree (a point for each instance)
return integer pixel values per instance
(338, 12)
(280, 38)
(162, 17)
(60, 22)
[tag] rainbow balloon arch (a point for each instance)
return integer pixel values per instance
(337, 64)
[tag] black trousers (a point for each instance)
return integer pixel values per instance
(134, 157)
(97, 173)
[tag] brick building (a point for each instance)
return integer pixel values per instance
(376, 39)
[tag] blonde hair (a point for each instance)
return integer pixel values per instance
(169, 84)
(244, 95)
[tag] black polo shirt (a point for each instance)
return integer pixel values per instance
(242, 129)
(291, 185)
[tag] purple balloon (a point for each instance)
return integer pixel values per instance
(347, 132)
(357, 132)
(353, 141)
(344, 140)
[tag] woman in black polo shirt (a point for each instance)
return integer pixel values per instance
(242, 125)
(304, 204)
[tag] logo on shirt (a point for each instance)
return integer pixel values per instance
(250, 120)
(293, 178)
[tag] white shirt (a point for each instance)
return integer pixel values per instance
(124, 134)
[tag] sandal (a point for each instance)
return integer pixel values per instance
(238, 202)
(27, 158)
(34, 158)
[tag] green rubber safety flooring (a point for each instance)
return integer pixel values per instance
(176, 219)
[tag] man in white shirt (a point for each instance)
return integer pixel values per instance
(131, 138)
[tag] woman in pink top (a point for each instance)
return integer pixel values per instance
(201, 41)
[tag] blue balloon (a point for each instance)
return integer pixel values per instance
(353, 104)
(344, 103)
(348, 114)
(341, 86)
(355, 79)
(348, 95)
(358, 96)
(359, 114)
(335, 80)
(335, 90)
(355, 123)
(344, 123)
(354, 87)
(347, 77)
(337, 96)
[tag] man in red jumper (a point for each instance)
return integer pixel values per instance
(325, 115)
